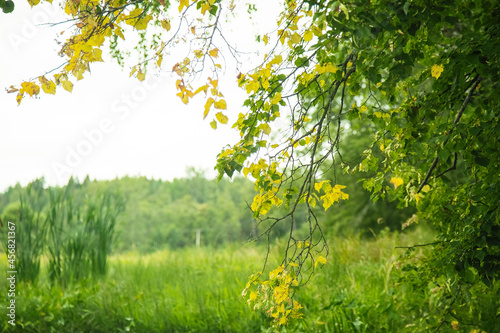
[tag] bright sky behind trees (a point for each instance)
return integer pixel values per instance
(110, 125)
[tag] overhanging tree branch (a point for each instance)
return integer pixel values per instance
(476, 81)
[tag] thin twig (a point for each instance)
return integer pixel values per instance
(429, 173)
(417, 245)
(453, 167)
(476, 81)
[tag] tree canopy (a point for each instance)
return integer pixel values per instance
(420, 78)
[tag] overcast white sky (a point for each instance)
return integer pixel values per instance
(110, 125)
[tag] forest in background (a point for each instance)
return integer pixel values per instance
(160, 214)
(167, 214)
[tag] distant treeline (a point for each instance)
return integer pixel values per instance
(157, 214)
(168, 214)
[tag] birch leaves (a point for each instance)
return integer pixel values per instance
(95, 23)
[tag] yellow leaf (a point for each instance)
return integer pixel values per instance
(78, 72)
(204, 7)
(253, 85)
(134, 69)
(275, 273)
(363, 108)
(426, 188)
(141, 76)
(160, 59)
(208, 104)
(33, 2)
(221, 118)
(71, 8)
(202, 88)
(295, 38)
(67, 85)
(198, 53)
(214, 52)
(276, 60)
(320, 260)
(19, 97)
(344, 9)
(185, 98)
(48, 86)
(31, 88)
(142, 23)
(265, 84)
(213, 124)
(179, 84)
(92, 21)
(265, 128)
(134, 14)
(11, 89)
(96, 40)
(214, 83)
(182, 4)
(165, 24)
(397, 181)
(183, 66)
(218, 66)
(83, 47)
(246, 171)
(276, 99)
(108, 32)
(175, 69)
(331, 68)
(119, 33)
(221, 105)
(265, 39)
(436, 71)
(97, 55)
(319, 186)
(332, 194)
(226, 153)
(308, 35)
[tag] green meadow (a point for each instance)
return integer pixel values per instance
(199, 290)
(122, 256)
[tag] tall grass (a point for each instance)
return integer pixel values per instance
(80, 236)
(76, 237)
(30, 232)
(198, 290)
(193, 290)
(100, 222)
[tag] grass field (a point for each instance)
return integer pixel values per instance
(198, 290)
